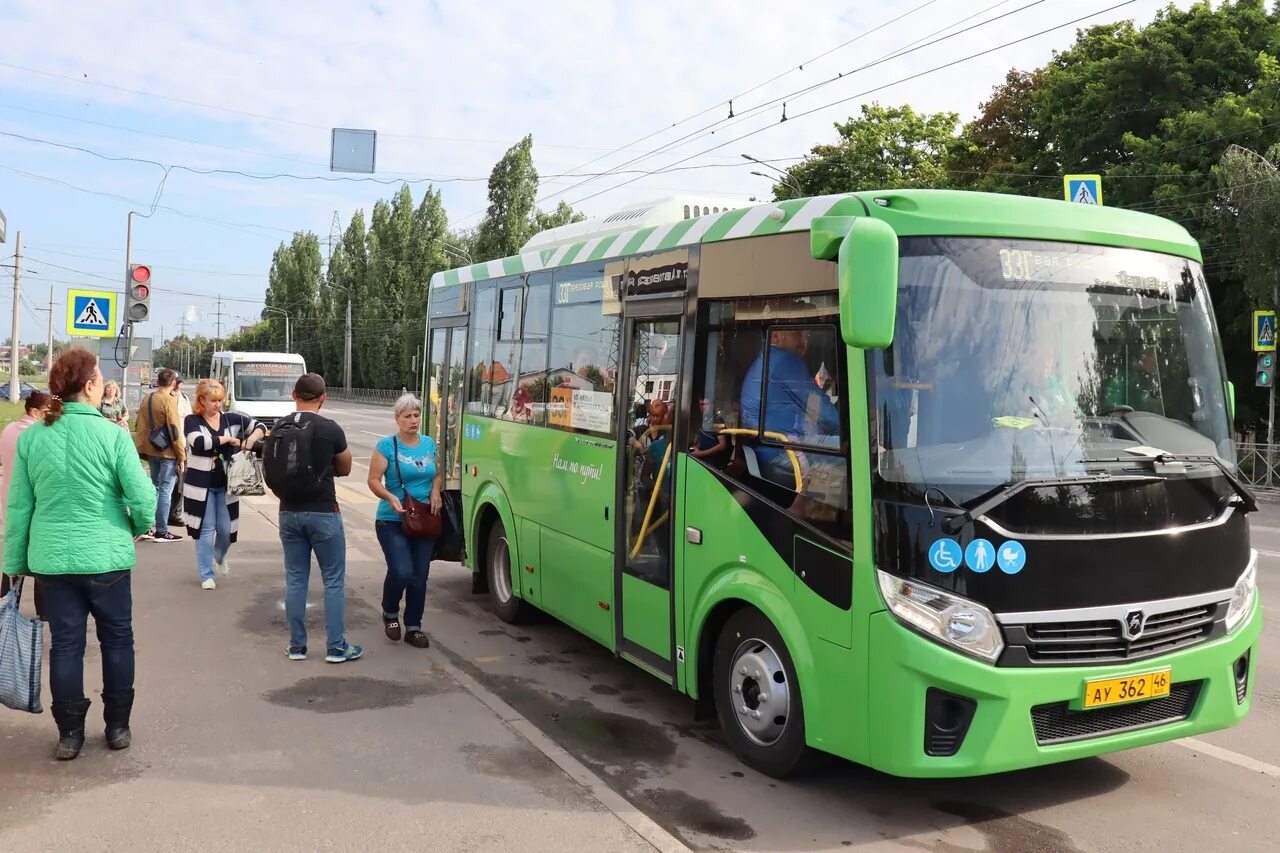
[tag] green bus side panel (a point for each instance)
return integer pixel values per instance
(530, 558)
(646, 616)
(576, 579)
(828, 622)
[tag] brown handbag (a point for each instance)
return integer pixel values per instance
(417, 520)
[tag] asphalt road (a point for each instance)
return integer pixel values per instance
(1219, 792)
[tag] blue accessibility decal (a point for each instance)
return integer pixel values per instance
(1011, 558)
(980, 555)
(945, 555)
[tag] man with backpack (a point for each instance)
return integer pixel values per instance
(300, 458)
(158, 437)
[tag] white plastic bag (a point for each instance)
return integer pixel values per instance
(243, 476)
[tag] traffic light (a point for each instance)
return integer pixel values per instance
(138, 294)
(1266, 376)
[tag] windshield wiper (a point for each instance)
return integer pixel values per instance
(1247, 500)
(985, 505)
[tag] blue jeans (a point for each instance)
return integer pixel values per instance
(301, 533)
(215, 533)
(68, 602)
(163, 473)
(408, 563)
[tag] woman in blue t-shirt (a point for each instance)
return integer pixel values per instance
(405, 463)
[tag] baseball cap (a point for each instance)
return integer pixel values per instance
(310, 386)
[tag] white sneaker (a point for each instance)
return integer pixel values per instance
(209, 584)
(223, 567)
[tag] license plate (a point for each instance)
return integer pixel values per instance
(1130, 688)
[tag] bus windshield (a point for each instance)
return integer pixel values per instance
(262, 381)
(1016, 358)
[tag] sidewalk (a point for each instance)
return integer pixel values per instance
(238, 748)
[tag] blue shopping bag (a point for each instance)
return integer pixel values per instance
(21, 654)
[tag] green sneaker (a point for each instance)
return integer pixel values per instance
(343, 655)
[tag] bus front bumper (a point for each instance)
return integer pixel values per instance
(921, 694)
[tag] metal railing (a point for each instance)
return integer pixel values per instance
(371, 396)
(1259, 464)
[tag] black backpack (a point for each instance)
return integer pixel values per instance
(288, 463)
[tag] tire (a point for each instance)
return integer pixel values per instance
(502, 595)
(765, 728)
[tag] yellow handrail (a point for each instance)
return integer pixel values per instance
(653, 499)
(776, 436)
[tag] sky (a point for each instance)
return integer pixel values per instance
(229, 94)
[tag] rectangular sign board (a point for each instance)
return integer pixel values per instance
(91, 313)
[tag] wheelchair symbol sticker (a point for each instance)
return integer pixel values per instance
(945, 555)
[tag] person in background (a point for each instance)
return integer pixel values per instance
(175, 501)
(213, 515)
(711, 446)
(160, 411)
(310, 520)
(77, 498)
(36, 405)
(113, 407)
(405, 463)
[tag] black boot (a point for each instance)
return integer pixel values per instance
(115, 710)
(69, 715)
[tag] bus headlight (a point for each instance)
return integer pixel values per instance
(950, 619)
(1242, 596)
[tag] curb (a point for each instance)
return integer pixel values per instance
(639, 823)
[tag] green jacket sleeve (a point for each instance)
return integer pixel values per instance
(139, 492)
(17, 527)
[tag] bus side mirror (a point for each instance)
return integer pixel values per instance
(866, 254)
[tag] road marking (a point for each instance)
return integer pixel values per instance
(640, 823)
(1197, 745)
(1265, 553)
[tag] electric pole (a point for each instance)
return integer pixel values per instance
(13, 340)
(346, 381)
(217, 336)
(48, 353)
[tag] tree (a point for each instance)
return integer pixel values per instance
(887, 147)
(293, 287)
(513, 191)
(562, 215)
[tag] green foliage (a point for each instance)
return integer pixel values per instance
(513, 191)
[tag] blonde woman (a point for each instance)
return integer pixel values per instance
(113, 407)
(212, 515)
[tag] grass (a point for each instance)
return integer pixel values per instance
(10, 412)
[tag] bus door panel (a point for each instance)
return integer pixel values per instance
(648, 443)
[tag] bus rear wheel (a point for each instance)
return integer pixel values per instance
(757, 696)
(498, 565)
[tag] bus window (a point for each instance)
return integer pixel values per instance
(529, 405)
(453, 406)
(481, 379)
(773, 379)
(583, 364)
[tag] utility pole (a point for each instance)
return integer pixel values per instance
(48, 352)
(13, 340)
(346, 381)
(217, 337)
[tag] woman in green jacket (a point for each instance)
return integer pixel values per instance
(77, 497)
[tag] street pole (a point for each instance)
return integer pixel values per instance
(48, 352)
(13, 339)
(346, 380)
(1271, 405)
(287, 346)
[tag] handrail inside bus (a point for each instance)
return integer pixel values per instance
(776, 436)
(653, 500)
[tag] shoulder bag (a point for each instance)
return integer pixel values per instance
(159, 435)
(417, 520)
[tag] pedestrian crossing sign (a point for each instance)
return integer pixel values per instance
(1083, 189)
(1264, 331)
(91, 313)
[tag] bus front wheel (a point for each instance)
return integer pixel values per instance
(758, 697)
(501, 592)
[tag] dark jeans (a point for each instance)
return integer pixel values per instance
(408, 563)
(301, 534)
(68, 601)
(163, 473)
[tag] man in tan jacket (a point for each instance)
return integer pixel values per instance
(160, 410)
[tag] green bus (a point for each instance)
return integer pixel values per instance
(941, 483)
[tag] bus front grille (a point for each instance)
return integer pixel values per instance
(1106, 641)
(1059, 723)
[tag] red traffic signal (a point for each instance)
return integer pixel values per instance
(138, 294)
(140, 273)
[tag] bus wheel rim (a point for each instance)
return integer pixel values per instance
(502, 571)
(760, 690)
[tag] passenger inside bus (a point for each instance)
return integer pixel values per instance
(1137, 385)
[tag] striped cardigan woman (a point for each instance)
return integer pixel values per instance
(212, 515)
